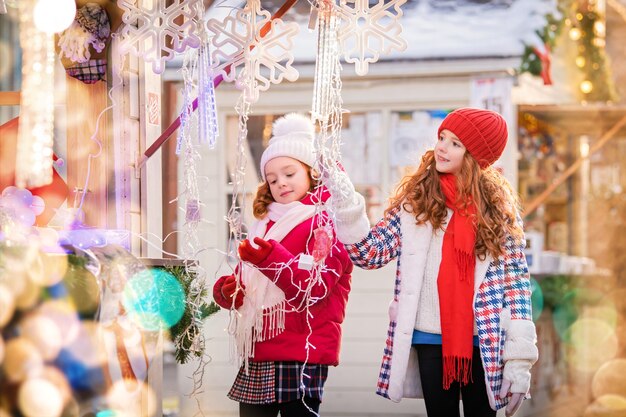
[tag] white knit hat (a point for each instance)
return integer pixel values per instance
(293, 137)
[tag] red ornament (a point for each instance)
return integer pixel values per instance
(323, 244)
(545, 59)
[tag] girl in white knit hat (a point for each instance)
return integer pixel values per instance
(288, 320)
(460, 319)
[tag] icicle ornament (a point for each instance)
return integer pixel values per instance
(208, 130)
(186, 114)
(327, 59)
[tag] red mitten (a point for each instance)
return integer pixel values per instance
(224, 290)
(254, 255)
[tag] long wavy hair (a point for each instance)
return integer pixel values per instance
(264, 197)
(496, 203)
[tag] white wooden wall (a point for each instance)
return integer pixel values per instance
(137, 123)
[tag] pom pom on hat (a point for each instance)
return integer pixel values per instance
(483, 132)
(293, 137)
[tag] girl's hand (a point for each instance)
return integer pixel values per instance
(224, 290)
(341, 190)
(514, 402)
(515, 383)
(254, 255)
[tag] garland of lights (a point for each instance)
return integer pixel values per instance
(586, 27)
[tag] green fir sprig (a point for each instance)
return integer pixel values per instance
(187, 332)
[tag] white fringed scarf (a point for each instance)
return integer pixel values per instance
(263, 299)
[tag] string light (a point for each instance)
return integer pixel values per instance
(36, 125)
(586, 86)
(575, 34)
(327, 51)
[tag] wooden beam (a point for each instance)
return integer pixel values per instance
(9, 98)
(169, 166)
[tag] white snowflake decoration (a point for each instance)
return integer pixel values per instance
(156, 31)
(369, 32)
(243, 54)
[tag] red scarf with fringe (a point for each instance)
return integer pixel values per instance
(455, 284)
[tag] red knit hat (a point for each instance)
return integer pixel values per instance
(482, 132)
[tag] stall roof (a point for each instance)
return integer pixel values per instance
(438, 29)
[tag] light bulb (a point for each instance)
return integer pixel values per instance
(599, 28)
(54, 16)
(586, 86)
(575, 34)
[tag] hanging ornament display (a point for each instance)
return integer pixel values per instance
(198, 79)
(370, 31)
(157, 32)
(243, 53)
(327, 111)
(36, 123)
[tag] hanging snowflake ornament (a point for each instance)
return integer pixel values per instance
(368, 32)
(155, 32)
(253, 49)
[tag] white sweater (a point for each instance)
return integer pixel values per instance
(428, 317)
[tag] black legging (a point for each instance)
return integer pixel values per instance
(445, 403)
(288, 409)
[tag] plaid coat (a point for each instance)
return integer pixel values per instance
(502, 303)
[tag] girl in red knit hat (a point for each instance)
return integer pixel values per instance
(289, 305)
(460, 319)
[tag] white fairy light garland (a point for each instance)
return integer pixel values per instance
(36, 125)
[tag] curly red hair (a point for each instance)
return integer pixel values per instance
(496, 202)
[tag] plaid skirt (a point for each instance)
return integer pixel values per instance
(270, 382)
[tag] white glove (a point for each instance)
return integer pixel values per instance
(516, 381)
(520, 353)
(348, 206)
(342, 190)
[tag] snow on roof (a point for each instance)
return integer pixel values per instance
(438, 29)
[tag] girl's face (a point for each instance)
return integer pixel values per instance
(449, 152)
(288, 179)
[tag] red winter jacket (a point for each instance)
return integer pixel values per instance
(326, 314)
